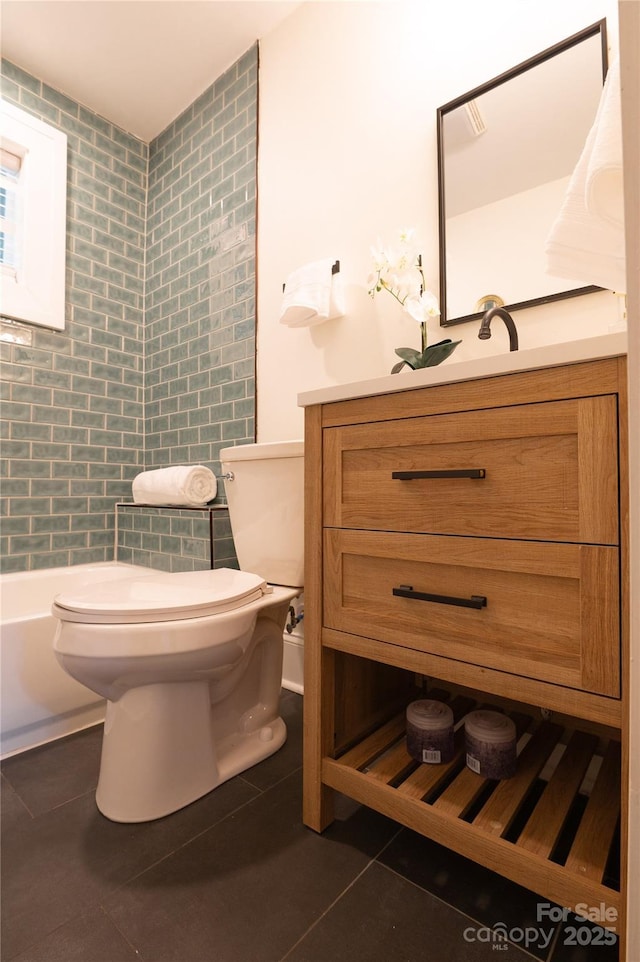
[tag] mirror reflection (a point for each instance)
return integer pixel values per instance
(506, 152)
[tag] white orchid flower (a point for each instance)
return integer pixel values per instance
(380, 257)
(422, 306)
(407, 235)
(398, 270)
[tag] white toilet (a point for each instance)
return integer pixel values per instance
(191, 663)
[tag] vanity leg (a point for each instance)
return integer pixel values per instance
(317, 810)
(319, 662)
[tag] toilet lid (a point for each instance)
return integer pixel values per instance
(160, 596)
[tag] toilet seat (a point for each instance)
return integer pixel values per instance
(160, 596)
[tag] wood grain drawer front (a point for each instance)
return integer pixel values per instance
(551, 613)
(550, 473)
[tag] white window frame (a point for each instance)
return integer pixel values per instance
(36, 293)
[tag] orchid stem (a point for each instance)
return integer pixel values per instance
(391, 291)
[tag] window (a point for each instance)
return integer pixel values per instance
(10, 164)
(33, 179)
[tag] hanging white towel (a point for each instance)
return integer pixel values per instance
(190, 486)
(604, 192)
(586, 242)
(312, 295)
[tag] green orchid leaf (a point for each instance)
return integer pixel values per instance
(410, 355)
(434, 354)
(398, 367)
(437, 353)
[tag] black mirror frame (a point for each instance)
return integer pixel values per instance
(595, 29)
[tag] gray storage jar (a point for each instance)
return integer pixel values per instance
(430, 731)
(490, 741)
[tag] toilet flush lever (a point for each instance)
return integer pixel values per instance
(229, 476)
(294, 619)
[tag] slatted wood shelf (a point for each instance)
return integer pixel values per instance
(538, 828)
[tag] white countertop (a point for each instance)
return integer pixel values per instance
(607, 345)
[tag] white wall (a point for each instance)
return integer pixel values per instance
(347, 154)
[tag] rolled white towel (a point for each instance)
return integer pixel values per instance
(188, 485)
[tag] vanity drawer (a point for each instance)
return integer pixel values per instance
(551, 611)
(543, 471)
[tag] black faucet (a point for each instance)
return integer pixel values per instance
(485, 328)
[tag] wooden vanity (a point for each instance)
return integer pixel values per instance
(467, 541)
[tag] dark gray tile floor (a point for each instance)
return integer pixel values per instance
(236, 877)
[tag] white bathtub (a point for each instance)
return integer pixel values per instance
(39, 701)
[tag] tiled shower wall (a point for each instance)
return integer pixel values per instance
(200, 290)
(81, 415)
(72, 403)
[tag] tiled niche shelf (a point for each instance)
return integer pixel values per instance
(174, 538)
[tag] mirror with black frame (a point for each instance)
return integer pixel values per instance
(506, 152)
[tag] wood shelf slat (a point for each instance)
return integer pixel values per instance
(460, 795)
(427, 777)
(497, 815)
(590, 850)
(541, 832)
(379, 740)
(393, 765)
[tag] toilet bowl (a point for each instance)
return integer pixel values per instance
(190, 663)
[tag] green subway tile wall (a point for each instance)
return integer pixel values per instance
(200, 290)
(156, 365)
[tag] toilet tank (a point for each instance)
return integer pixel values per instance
(266, 508)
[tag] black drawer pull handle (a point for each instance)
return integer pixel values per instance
(475, 601)
(446, 473)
